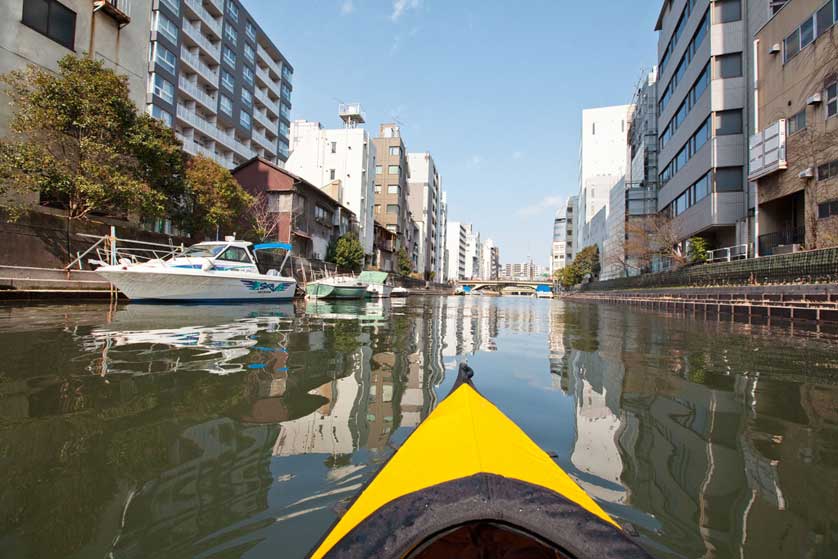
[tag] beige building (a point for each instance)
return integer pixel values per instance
(794, 154)
(42, 32)
(391, 191)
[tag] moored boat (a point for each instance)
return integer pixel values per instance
(213, 272)
(337, 287)
(378, 285)
(468, 482)
(399, 292)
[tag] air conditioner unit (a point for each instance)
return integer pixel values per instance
(774, 49)
(806, 173)
(814, 99)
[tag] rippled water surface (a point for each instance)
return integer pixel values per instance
(243, 431)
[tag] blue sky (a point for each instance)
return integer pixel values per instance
(494, 90)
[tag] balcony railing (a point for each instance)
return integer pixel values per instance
(197, 6)
(265, 78)
(210, 129)
(266, 58)
(262, 97)
(263, 141)
(770, 241)
(218, 5)
(263, 119)
(120, 10)
(194, 148)
(194, 33)
(198, 94)
(198, 66)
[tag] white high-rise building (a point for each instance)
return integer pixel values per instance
(342, 159)
(455, 248)
(474, 253)
(425, 203)
(490, 260)
(441, 272)
(602, 163)
(558, 252)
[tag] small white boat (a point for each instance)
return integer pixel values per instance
(337, 287)
(213, 272)
(399, 292)
(378, 286)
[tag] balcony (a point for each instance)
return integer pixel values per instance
(199, 95)
(264, 121)
(192, 119)
(235, 144)
(262, 97)
(197, 8)
(194, 33)
(218, 6)
(119, 10)
(266, 79)
(199, 67)
(274, 65)
(193, 148)
(264, 142)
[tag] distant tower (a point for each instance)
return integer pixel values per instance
(351, 114)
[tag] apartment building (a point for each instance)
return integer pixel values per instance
(490, 267)
(342, 158)
(425, 206)
(455, 247)
(558, 250)
(441, 273)
(705, 112)
(794, 153)
(570, 231)
(218, 80)
(391, 207)
(44, 31)
(474, 253)
(602, 157)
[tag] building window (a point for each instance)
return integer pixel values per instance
(233, 10)
(832, 100)
(331, 174)
(828, 170)
(378, 189)
(378, 208)
(321, 213)
(228, 81)
(729, 179)
(244, 119)
(729, 122)
(249, 53)
(247, 98)
(230, 33)
(593, 128)
(225, 104)
(286, 91)
(392, 208)
(283, 147)
(686, 59)
(393, 170)
(827, 209)
(160, 114)
(726, 11)
(334, 147)
(378, 170)
(164, 89)
(729, 65)
(250, 30)
(391, 228)
(167, 28)
(52, 19)
(247, 74)
(392, 189)
(173, 5)
(395, 150)
(796, 122)
(791, 45)
(165, 57)
(229, 57)
(826, 17)
(283, 129)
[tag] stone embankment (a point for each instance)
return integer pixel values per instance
(817, 303)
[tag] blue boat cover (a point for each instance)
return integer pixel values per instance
(266, 246)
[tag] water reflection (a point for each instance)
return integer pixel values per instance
(147, 431)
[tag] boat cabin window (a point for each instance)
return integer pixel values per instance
(204, 251)
(235, 254)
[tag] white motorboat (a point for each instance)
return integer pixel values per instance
(399, 292)
(214, 272)
(378, 285)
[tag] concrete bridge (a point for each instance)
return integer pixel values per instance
(500, 284)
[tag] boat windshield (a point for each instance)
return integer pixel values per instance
(203, 251)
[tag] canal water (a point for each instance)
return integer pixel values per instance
(243, 431)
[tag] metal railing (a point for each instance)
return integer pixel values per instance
(270, 62)
(194, 32)
(110, 250)
(197, 6)
(770, 241)
(198, 66)
(198, 94)
(727, 254)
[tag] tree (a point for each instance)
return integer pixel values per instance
(263, 221)
(214, 199)
(349, 253)
(586, 262)
(650, 237)
(569, 276)
(403, 263)
(78, 143)
(698, 250)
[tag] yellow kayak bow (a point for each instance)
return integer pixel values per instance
(469, 483)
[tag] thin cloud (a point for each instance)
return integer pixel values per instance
(347, 7)
(402, 6)
(546, 203)
(475, 161)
